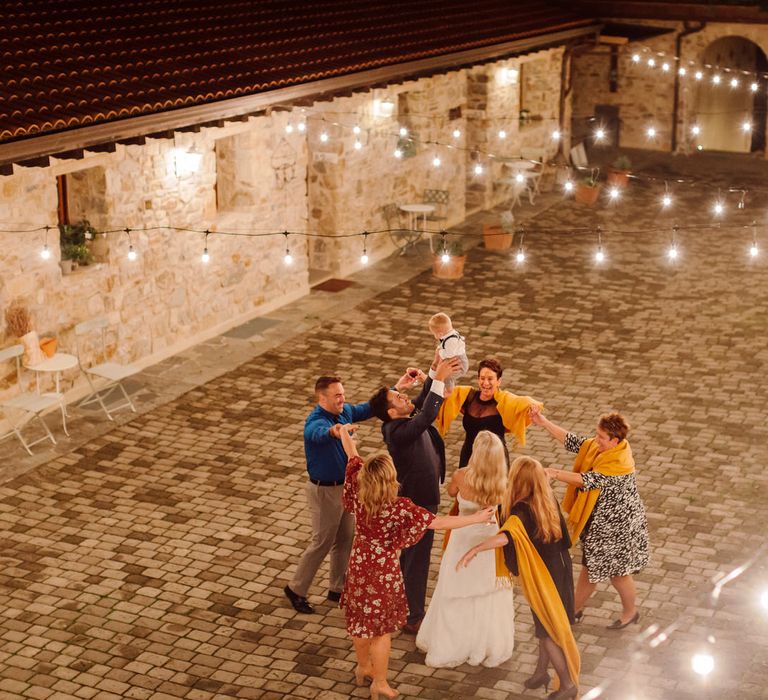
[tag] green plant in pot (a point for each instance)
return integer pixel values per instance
(499, 236)
(73, 242)
(618, 173)
(449, 258)
(588, 188)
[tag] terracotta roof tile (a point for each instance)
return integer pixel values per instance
(67, 63)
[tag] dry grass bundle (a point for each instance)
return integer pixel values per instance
(18, 320)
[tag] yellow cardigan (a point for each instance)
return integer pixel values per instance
(541, 593)
(512, 408)
(616, 461)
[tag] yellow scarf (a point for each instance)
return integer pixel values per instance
(617, 461)
(512, 408)
(541, 593)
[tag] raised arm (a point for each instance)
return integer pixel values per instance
(554, 430)
(346, 432)
(451, 522)
(571, 478)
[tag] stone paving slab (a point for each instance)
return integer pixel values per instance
(148, 560)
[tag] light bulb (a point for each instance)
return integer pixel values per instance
(519, 178)
(478, 169)
(302, 127)
(358, 145)
(355, 129)
(45, 253)
(753, 87)
(651, 131)
(764, 596)
(599, 134)
(703, 664)
(716, 79)
(753, 251)
(651, 62)
(445, 257)
(364, 258)
(695, 129)
(403, 131)
(568, 186)
(520, 257)
(502, 134)
(323, 136)
(599, 255)
(556, 135)
(746, 127)
(456, 133)
(672, 253)
(398, 153)
(635, 58)
(288, 258)
(734, 82)
(666, 201)
(665, 67)
(289, 128)
(718, 208)
(613, 193)
(131, 253)
(436, 162)
(205, 257)
(698, 75)
(681, 71)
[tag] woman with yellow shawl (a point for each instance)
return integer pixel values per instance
(488, 408)
(604, 511)
(535, 546)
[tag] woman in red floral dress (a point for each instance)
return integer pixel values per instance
(374, 595)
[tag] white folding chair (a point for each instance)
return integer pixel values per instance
(29, 405)
(533, 176)
(104, 377)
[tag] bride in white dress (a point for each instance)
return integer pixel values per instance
(470, 618)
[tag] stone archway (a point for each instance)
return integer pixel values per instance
(720, 110)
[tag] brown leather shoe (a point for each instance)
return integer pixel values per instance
(299, 602)
(411, 627)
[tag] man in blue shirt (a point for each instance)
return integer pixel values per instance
(332, 527)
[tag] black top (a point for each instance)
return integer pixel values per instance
(479, 415)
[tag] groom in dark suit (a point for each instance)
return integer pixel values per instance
(419, 456)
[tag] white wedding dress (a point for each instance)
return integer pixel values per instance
(470, 618)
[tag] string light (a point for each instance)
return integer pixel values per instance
(635, 58)
(519, 178)
(364, 256)
(651, 62)
(681, 71)
(613, 193)
(753, 87)
(356, 130)
(666, 199)
(45, 253)
(502, 134)
(520, 257)
(205, 258)
(673, 252)
(287, 258)
(651, 132)
(445, 256)
(358, 145)
(753, 251)
(698, 75)
(398, 153)
(324, 136)
(457, 133)
(568, 186)
(289, 128)
(718, 208)
(403, 131)
(131, 253)
(716, 79)
(556, 135)
(436, 162)
(665, 67)
(599, 134)
(478, 169)
(302, 127)
(746, 127)
(599, 254)
(734, 82)
(703, 663)
(695, 129)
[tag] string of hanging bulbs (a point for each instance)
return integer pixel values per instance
(442, 249)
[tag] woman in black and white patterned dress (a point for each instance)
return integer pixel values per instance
(605, 510)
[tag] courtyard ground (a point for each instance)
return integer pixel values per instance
(146, 559)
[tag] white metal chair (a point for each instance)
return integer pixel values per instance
(533, 176)
(28, 404)
(104, 377)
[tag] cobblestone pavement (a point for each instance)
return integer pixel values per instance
(149, 560)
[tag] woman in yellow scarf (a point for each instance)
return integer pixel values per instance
(535, 545)
(604, 511)
(488, 408)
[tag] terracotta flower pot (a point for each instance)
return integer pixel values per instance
(48, 346)
(451, 270)
(586, 194)
(496, 238)
(618, 178)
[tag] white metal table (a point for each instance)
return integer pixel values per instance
(416, 210)
(60, 362)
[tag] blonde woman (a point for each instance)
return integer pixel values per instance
(374, 599)
(471, 617)
(535, 543)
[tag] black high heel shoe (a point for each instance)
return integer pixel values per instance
(537, 680)
(618, 625)
(564, 694)
(578, 616)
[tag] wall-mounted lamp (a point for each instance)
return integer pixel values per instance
(383, 108)
(186, 162)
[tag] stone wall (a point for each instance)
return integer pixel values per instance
(258, 176)
(645, 96)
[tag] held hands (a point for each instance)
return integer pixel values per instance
(534, 413)
(338, 428)
(486, 515)
(466, 559)
(551, 474)
(410, 378)
(347, 433)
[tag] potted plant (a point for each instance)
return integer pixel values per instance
(18, 321)
(448, 259)
(618, 173)
(73, 240)
(499, 236)
(588, 189)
